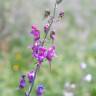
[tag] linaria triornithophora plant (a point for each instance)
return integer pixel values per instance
(40, 52)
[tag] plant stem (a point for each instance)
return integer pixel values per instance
(32, 84)
(38, 65)
(50, 24)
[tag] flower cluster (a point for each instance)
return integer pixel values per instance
(40, 52)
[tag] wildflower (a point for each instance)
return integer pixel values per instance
(88, 78)
(83, 65)
(40, 90)
(31, 76)
(50, 53)
(42, 52)
(35, 32)
(39, 52)
(22, 82)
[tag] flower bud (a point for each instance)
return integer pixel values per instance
(22, 82)
(31, 76)
(50, 53)
(52, 35)
(47, 13)
(61, 14)
(35, 32)
(40, 90)
(46, 28)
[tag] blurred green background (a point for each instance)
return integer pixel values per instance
(75, 43)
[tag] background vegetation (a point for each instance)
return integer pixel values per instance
(75, 41)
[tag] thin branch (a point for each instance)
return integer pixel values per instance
(52, 20)
(32, 84)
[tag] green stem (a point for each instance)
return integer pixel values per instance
(38, 66)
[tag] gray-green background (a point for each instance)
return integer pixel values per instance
(75, 43)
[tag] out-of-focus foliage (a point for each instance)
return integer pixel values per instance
(75, 41)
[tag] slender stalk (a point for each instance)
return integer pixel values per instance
(50, 24)
(38, 66)
(32, 84)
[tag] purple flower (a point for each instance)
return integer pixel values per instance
(40, 90)
(35, 32)
(31, 76)
(35, 49)
(39, 52)
(50, 53)
(22, 82)
(42, 52)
